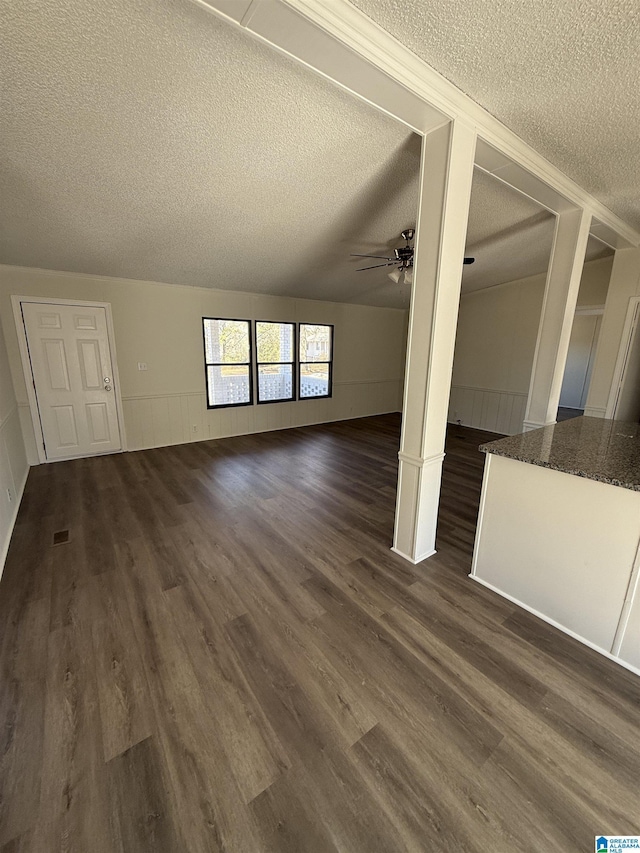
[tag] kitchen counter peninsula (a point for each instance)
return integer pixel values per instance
(559, 529)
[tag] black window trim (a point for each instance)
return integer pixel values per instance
(330, 363)
(293, 363)
(248, 364)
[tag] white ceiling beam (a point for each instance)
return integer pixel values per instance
(291, 33)
(341, 43)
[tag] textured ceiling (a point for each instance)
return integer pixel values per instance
(151, 140)
(562, 74)
(509, 235)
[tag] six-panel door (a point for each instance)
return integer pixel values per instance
(73, 376)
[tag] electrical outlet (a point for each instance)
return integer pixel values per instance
(142, 365)
(9, 495)
(195, 428)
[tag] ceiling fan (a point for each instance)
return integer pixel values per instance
(402, 259)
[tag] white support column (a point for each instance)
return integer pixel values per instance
(558, 308)
(445, 191)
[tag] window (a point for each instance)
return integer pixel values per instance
(275, 347)
(227, 355)
(316, 360)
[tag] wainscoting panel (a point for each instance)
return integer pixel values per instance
(487, 408)
(157, 421)
(13, 476)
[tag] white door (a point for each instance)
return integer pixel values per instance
(73, 377)
(580, 358)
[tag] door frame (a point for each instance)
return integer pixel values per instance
(630, 323)
(17, 302)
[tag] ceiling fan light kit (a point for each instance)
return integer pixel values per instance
(402, 260)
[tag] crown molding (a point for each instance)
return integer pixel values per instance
(280, 23)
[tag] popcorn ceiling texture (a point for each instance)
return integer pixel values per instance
(147, 139)
(562, 74)
(150, 140)
(509, 235)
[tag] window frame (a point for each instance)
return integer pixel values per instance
(248, 364)
(293, 363)
(329, 363)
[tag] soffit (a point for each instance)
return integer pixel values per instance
(562, 74)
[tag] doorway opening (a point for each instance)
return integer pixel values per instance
(585, 333)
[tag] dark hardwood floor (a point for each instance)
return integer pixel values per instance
(226, 656)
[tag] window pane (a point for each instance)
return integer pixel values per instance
(228, 386)
(226, 341)
(315, 342)
(275, 382)
(314, 380)
(274, 341)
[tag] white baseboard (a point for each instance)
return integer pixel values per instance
(410, 559)
(557, 625)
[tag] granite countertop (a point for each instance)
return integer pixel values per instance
(608, 451)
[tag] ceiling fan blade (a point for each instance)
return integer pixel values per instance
(383, 257)
(375, 266)
(469, 261)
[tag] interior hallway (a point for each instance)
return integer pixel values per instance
(226, 656)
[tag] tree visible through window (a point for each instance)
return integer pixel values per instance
(276, 357)
(227, 347)
(316, 360)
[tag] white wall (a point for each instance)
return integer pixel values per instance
(495, 345)
(162, 325)
(13, 461)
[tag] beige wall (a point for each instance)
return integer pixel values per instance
(594, 283)
(13, 461)
(495, 345)
(162, 325)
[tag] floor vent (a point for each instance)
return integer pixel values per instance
(61, 537)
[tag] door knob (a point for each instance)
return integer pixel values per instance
(107, 387)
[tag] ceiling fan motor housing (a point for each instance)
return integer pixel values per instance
(404, 255)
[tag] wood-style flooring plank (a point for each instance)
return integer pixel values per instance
(429, 807)
(74, 812)
(141, 804)
(214, 816)
(255, 755)
(288, 824)
(123, 693)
